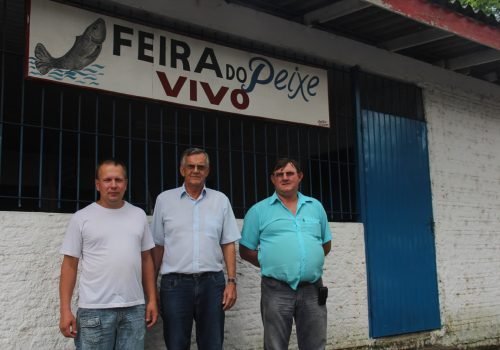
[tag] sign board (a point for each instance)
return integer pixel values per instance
(78, 47)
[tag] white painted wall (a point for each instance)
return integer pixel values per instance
(464, 138)
(29, 276)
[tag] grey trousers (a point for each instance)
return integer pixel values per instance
(280, 305)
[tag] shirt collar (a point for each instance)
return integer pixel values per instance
(183, 192)
(301, 199)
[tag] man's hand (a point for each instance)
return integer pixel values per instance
(230, 295)
(67, 324)
(151, 313)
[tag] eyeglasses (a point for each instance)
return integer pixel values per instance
(194, 167)
(280, 174)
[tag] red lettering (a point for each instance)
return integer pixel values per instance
(239, 98)
(214, 99)
(166, 85)
(234, 99)
(193, 91)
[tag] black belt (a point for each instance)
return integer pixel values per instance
(301, 284)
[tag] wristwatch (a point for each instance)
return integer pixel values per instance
(231, 280)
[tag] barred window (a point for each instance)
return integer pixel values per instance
(52, 136)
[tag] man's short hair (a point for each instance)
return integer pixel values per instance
(111, 161)
(282, 162)
(192, 151)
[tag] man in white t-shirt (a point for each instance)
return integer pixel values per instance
(112, 239)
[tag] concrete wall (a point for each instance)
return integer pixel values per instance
(29, 276)
(464, 151)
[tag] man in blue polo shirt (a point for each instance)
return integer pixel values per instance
(287, 236)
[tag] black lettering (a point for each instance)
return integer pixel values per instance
(204, 64)
(118, 41)
(229, 72)
(243, 76)
(163, 50)
(312, 84)
(143, 46)
(182, 56)
(280, 78)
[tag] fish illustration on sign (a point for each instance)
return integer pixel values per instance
(84, 51)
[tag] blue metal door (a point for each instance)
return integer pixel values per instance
(397, 214)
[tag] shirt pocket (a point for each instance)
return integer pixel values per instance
(312, 226)
(213, 227)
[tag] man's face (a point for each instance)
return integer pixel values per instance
(111, 185)
(195, 170)
(286, 180)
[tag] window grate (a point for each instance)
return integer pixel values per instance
(52, 136)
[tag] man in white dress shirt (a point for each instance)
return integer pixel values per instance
(194, 230)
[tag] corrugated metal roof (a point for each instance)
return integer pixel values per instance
(362, 21)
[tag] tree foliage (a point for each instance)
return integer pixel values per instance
(487, 6)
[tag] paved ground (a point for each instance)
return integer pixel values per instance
(427, 347)
(439, 347)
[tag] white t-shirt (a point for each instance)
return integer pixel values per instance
(109, 243)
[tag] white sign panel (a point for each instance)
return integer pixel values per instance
(78, 47)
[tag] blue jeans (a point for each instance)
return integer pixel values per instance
(280, 305)
(121, 328)
(188, 297)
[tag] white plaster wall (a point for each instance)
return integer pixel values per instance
(464, 144)
(29, 276)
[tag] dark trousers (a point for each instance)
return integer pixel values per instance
(280, 305)
(197, 297)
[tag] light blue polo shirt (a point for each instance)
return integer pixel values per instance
(290, 247)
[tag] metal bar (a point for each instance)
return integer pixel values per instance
(230, 165)
(59, 170)
(40, 164)
(319, 169)
(162, 183)
(360, 178)
(309, 160)
(2, 86)
(288, 142)
(276, 137)
(339, 166)
(203, 130)
(298, 155)
(113, 129)
(217, 150)
(267, 158)
(176, 137)
(254, 143)
(96, 151)
(242, 166)
(130, 165)
(78, 156)
(146, 163)
(330, 187)
(349, 161)
(190, 130)
(21, 148)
